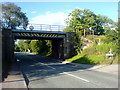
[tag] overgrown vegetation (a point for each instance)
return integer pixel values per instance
(83, 22)
(40, 47)
(93, 59)
(97, 53)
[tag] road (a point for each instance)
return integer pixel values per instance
(42, 72)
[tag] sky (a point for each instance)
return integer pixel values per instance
(54, 13)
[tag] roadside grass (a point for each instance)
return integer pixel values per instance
(92, 60)
(96, 55)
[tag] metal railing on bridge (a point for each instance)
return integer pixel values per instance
(44, 27)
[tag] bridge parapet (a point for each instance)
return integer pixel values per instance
(44, 27)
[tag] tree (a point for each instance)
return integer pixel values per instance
(26, 45)
(78, 42)
(106, 22)
(68, 29)
(49, 46)
(21, 45)
(35, 45)
(84, 19)
(17, 49)
(40, 46)
(12, 17)
(81, 19)
(80, 22)
(111, 36)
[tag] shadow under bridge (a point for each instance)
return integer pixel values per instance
(57, 38)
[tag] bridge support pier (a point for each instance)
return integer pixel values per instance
(7, 51)
(69, 43)
(64, 48)
(57, 48)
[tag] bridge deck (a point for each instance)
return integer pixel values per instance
(38, 31)
(35, 34)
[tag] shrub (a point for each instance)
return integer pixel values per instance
(89, 51)
(104, 48)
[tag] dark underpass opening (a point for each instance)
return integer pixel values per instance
(50, 48)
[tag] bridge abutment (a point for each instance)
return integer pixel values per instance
(69, 43)
(7, 51)
(64, 48)
(57, 48)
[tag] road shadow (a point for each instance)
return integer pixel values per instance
(35, 67)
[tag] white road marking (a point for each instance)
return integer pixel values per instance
(45, 64)
(63, 72)
(76, 77)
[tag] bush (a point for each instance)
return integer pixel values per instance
(17, 49)
(89, 51)
(111, 36)
(104, 48)
(97, 53)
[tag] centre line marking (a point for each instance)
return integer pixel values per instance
(76, 77)
(63, 72)
(45, 64)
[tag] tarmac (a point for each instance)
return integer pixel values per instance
(15, 78)
(113, 69)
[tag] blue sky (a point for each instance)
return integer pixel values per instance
(56, 12)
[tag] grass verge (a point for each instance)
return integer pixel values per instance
(93, 59)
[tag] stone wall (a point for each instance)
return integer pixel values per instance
(57, 48)
(7, 51)
(64, 48)
(69, 49)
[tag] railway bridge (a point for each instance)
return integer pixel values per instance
(62, 45)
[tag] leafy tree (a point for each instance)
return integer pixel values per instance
(111, 36)
(33, 46)
(36, 46)
(81, 19)
(12, 16)
(49, 46)
(45, 46)
(21, 45)
(17, 49)
(40, 46)
(26, 45)
(68, 29)
(84, 19)
(28, 41)
(78, 42)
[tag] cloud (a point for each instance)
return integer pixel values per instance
(33, 12)
(50, 18)
(69, 10)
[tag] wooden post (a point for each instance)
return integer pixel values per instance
(99, 42)
(84, 32)
(93, 32)
(110, 52)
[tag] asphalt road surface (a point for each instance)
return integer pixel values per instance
(42, 72)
